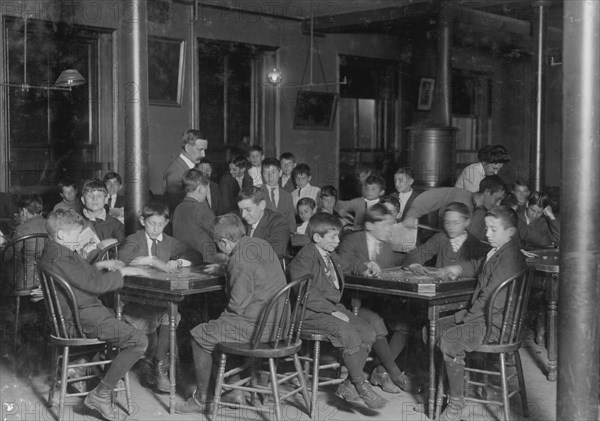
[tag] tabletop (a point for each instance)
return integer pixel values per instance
(185, 281)
(545, 260)
(403, 282)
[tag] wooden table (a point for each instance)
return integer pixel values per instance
(547, 261)
(440, 297)
(167, 290)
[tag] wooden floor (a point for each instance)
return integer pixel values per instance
(24, 391)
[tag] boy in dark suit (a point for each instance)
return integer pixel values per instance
(356, 208)
(326, 315)
(466, 332)
(403, 181)
(278, 199)
(115, 205)
(254, 277)
(366, 253)
(151, 247)
(452, 245)
(193, 218)
(88, 282)
(232, 182)
(262, 222)
(108, 228)
(288, 163)
(213, 197)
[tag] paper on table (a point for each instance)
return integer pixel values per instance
(403, 239)
(87, 241)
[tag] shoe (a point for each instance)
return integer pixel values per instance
(347, 391)
(380, 377)
(404, 382)
(369, 396)
(453, 411)
(161, 375)
(235, 397)
(146, 372)
(194, 406)
(101, 402)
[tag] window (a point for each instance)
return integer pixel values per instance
(52, 134)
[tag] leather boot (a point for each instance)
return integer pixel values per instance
(100, 400)
(347, 391)
(453, 411)
(161, 374)
(369, 396)
(195, 405)
(379, 377)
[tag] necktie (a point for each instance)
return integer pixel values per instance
(250, 230)
(331, 269)
(273, 197)
(154, 248)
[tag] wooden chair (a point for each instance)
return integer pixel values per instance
(21, 277)
(286, 343)
(67, 334)
(511, 295)
(108, 253)
(313, 359)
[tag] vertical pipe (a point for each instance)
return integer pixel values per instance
(536, 161)
(578, 345)
(443, 99)
(134, 59)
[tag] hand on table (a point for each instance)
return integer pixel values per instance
(213, 268)
(418, 269)
(110, 264)
(341, 316)
(153, 262)
(133, 271)
(410, 222)
(450, 273)
(36, 294)
(529, 254)
(373, 269)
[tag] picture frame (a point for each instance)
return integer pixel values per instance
(426, 90)
(166, 64)
(315, 110)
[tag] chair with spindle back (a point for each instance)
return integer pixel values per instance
(286, 343)
(20, 276)
(67, 333)
(511, 296)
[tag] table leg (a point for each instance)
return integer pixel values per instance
(119, 306)
(552, 297)
(355, 302)
(172, 359)
(433, 318)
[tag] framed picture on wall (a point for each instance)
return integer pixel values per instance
(426, 89)
(166, 63)
(315, 110)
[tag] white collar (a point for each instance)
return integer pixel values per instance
(371, 202)
(187, 161)
(458, 241)
(405, 194)
(149, 240)
(102, 215)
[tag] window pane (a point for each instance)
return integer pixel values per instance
(366, 123)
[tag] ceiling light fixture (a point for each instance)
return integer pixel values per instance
(65, 82)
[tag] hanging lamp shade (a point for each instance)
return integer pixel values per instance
(69, 78)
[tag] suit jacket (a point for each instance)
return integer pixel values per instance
(540, 233)
(411, 198)
(216, 202)
(506, 262)
(439, 246)
(289, 185)
(110, 227)
(254, 277)
(354, 253)
(324, 296)
(169, 248)
(274, 229)
(87, 281)
(285, 206)
(191, 225)
(172, 186)
(229, 193)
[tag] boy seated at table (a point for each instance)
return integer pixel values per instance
(325, 314)
(150, 246)
(518, 195)
(254, 277)
(306, 208)
(355, 209)
(108, 228)
(67, 189)
(302, 178)
(538, 226)
(115, 204)
(367, 253)
(465, 331)
(455, 243)
(97, 321)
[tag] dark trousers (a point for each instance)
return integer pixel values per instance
(456, 339)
